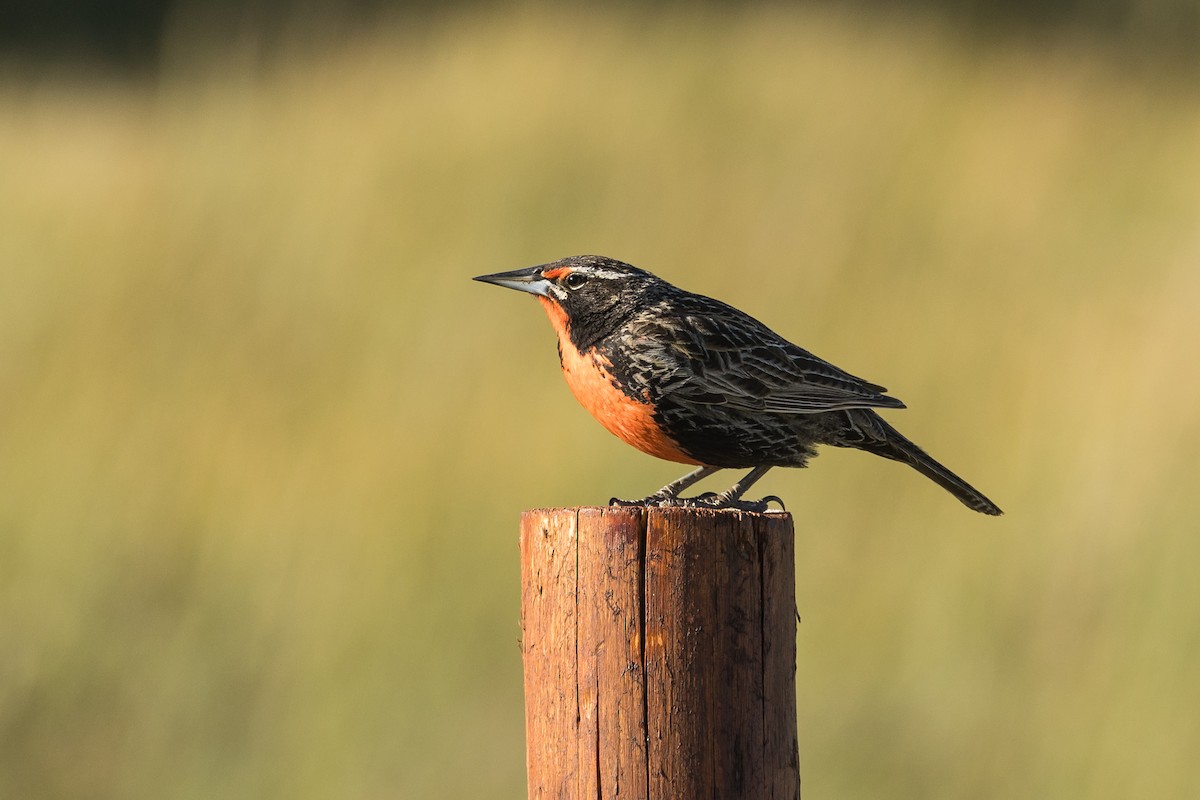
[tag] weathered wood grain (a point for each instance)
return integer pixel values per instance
(659, 654)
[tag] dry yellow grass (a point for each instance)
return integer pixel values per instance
(264, 444)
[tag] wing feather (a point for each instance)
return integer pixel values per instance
(713, 354)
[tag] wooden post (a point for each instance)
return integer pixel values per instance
(660, 654)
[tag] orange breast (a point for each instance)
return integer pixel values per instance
(591, 382)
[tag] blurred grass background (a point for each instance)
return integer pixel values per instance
(264, 443)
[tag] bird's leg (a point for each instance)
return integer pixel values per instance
(669, 494)
(671, 490)
(733, 497)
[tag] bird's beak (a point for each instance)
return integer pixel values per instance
(523, 280)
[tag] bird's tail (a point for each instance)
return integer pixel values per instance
(898, 448)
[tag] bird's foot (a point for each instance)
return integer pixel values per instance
(720, 501)
(616, 501)
(710, 500)
(656, 500)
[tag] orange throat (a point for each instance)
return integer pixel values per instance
(591, 380)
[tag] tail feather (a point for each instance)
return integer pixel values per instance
(898, 448)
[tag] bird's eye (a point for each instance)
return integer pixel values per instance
(574, 280)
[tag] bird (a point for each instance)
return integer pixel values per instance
(690, 379)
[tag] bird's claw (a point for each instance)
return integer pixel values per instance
(774, 498)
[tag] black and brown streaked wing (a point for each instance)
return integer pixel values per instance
(706, 352)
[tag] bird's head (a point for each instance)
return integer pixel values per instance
(586, 297)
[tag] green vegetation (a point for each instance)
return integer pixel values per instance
(264, 444)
